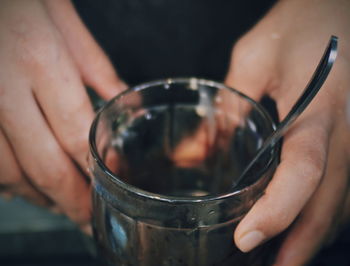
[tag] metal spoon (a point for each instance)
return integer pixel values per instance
(309, 93)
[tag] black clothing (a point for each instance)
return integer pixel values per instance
(152, 39)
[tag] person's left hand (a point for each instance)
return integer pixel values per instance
(310, 188)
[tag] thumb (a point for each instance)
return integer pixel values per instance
(252, 68)
(94, 66)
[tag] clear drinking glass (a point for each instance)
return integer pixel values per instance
(164, 156)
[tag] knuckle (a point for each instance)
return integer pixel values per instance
(246, 51)
(240, 52)
(38, 47)
(311, 168)
(310, 156)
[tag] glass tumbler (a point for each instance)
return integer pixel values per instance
(164, 158)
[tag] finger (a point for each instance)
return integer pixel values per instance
(12, 179)
(251, 69)
(42, 159)
(94, 66)
(65, 104)
(303, 159)
(319, 219)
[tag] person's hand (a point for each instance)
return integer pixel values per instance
(309, 190)
(46, 57)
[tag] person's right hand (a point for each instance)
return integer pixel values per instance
(46, 56)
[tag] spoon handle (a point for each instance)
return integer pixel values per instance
(312, 88)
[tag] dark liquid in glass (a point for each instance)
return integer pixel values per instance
(142, 154)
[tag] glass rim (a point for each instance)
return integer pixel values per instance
(161, 197)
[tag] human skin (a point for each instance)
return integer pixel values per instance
(47, 55)
(45, 112)
(309, 192)
(310, 187)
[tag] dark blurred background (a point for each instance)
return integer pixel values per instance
(31, 236)
(145, 39)
(153, 39)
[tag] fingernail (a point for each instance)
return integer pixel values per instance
(250, 240)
